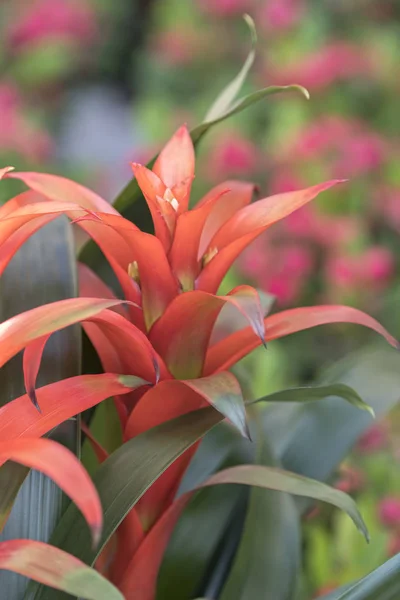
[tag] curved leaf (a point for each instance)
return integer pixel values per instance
(315, 393)
(198, 132)
(57, 569)
(140, 576)
(228, 95)
(285, 481)
(269, 552)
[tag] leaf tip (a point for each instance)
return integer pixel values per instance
(252, 26)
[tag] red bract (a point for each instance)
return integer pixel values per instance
(156, 347)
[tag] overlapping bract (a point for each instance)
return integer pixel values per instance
(156, 346)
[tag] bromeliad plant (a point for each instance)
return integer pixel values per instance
(166, 351)
(163, 355)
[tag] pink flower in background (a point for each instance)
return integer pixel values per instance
(278, 270)
(387, 200)
(361, 153)
(17, 133)
(225, 8)
(342, 271)
(389, 511)
(176, 47)
(375, 438)
(335, 62)
(72, 20)
(233, 155)
(377, 265)
(351, 480)
(278, 15)
(284, 180)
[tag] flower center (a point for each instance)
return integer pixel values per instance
(169, 197)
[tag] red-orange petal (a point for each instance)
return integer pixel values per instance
(230, 350)
(246, 225)
(175, 166)
(58, 463)
(181, 335)
(153, 188)
(19, 418)
(195, 228)
(61, 189)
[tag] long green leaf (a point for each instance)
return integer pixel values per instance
(334, 428)
(198, 535)
(267, 561)
(284, 481)
(228, 94)
(315, 393)
(123, 479)
(381, 584)
(244, 103)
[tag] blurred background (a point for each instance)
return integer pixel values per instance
(89, 85)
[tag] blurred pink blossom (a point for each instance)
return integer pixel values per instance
(17, 133)
(279, 270)
(232, 155)
(387, 200)
(176, 47)
(377, 265)
(341, 271)
(72, 20)
(375, 438)
(389, 511)
(347, 147)
(278, 15)
(335, 62)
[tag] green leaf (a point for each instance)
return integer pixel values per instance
(243, 103)
(123, 479)
(312, 394)
(330, 427)
(381, 584)
(269, 553)
(284, 481)
(228, 95)
(199, 533)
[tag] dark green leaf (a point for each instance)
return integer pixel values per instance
(333, 428)
(267, 561)
(314, 393)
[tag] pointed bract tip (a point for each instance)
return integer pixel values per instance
(5, 170)
(96, 535)
(156, 369)
(34, 400)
